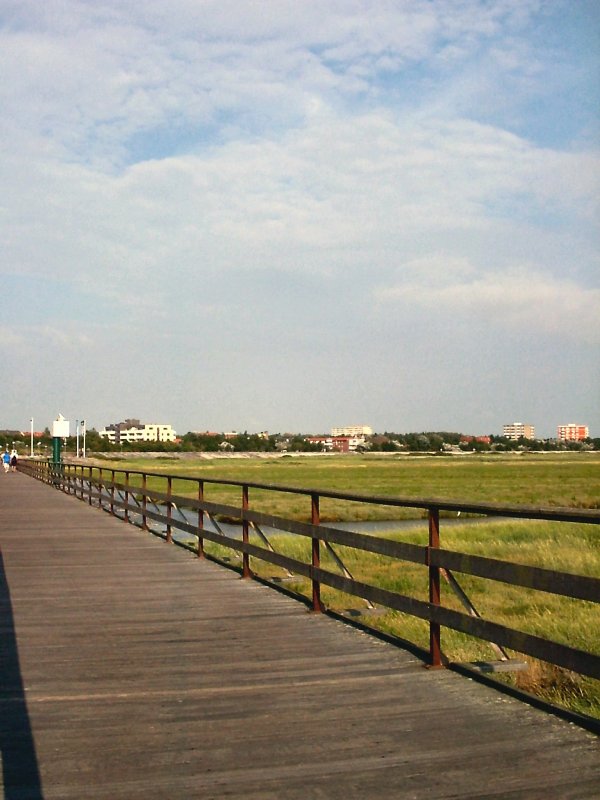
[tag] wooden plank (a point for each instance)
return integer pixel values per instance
(577, 586)
(544, 649)
(130, 669)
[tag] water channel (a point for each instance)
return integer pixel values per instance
(234, 531)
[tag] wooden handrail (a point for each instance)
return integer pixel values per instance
(548, 513)
(117, 496)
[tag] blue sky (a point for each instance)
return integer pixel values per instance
(294, 215)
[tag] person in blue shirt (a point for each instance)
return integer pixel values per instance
(6, 460)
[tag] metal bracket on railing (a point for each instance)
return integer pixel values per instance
(219, 530)
(270, 547)
(153, 504)
(468, 605)
(135, 500)
(346, 572)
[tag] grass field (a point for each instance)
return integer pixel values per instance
(546, 480)
(565, 479)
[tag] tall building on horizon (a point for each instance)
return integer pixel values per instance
(353, 430)
(516, 430)
(572, 432)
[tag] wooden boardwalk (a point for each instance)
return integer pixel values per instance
(130, 669)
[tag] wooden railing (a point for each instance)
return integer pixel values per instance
(126, 493)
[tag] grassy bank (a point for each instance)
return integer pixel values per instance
(569, 479)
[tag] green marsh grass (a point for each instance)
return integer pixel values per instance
(563, 479)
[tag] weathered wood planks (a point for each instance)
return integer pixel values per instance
(130, 669)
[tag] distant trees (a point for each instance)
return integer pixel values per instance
(424, 441)
(201, 442)
(416, 442)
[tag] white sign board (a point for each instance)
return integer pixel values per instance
(60, 427)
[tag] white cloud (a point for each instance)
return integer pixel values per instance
(320, 198)
(94, 78)
(173, 164)
(519, 300)
(25, 339)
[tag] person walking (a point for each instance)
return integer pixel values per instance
(14, 457)
(6, 460)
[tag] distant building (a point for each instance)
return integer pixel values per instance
(339, 444)
(352, 430)
(572, 432)
(132, 430)
(516, 430)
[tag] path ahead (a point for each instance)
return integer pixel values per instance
(130, 669)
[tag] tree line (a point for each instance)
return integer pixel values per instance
(426, 441)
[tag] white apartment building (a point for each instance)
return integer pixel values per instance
(514, 430)
(131, 430)
(353, 430)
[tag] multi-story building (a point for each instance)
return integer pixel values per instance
(516, 430)
(572, 432)
(341, 444)
(132, 430)
(467, 439)
(352, 430)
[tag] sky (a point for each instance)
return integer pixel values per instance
(292, 215)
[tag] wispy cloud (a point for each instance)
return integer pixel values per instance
(519, 300)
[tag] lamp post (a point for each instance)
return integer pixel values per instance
(77, 436)
(83, 428)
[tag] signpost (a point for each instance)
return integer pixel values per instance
(60, 430)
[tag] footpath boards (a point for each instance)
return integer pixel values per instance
(131, 669)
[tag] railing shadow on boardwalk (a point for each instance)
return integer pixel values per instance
(20, 771)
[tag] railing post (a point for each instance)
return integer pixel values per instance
(126, 496)
(112, 492)
(100, 486)
(200, 520)
(246, 573)
(91, 469)
(169, 509)
(315, 518)
(435, 648)
(144, 502)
